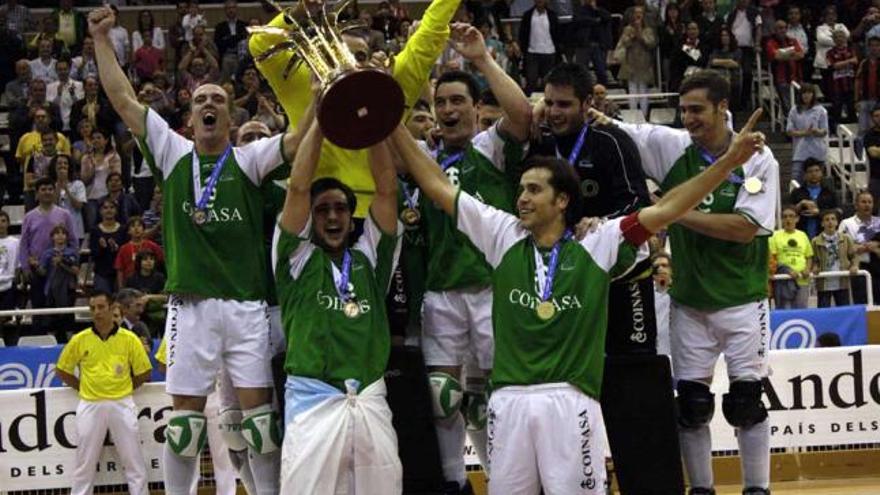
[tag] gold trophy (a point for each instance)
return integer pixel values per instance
(358, 106)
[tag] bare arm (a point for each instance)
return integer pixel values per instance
(137, 381)
(68, 379)
(292, 139)
(724, 226)
(680, 200)
(114, 81)
(384, 205)
(427, 174)
(297, 204)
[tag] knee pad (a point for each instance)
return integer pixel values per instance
(475, 404)
(260, 429)
(446, 394)
(186, 433)
(742, 405)
(696, 404)
(229, 422)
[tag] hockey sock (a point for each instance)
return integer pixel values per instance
(181, 473)
(450, 437)
(754, 453)
(243, 466)
(696, 450)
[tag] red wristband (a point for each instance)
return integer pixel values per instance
(633, 231)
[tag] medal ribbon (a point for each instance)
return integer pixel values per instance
(450, 160)
(202, 200)
(410, 198)
(344, 276)
(733, 178)
(576, 150)
(551, 266)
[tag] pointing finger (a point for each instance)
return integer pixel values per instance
(756, 116)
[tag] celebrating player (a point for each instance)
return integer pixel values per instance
(217, 273)
(338, 433)
(720, 256)
(550, 309)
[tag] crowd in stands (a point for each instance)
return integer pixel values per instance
(89, 192)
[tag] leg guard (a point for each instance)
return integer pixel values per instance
(475, 410)
(260, 429)
(696, 404)
(186, 433)
(446, 393)
(229, 422)
(742, 405)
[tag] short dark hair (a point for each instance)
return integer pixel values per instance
(563, 179)
(573, 75)
(5, 215)
(142, 255)
(102, 293)
(59, 228)
(813, 162)
(53, 166)
(421, 105)
(463, 77)
(43, 181)
(127, 295)
(329, 183)
(717, 86)
(136, 219)
(112, 175)
(831, 211)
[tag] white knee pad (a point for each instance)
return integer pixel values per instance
(229, 422)
(186, 433)
(446, 394)
(260, 429)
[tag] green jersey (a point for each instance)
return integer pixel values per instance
(487, 171)
(570, 345)
(322, 342)
(274, 190)
(414, 256)
(710, 273)
(225, 257)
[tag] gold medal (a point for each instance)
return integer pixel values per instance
(200, 217)
(545, 310)
(410, 216)
(753, 185)
(351, 309)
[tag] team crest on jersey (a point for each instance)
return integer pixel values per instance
(453, 174)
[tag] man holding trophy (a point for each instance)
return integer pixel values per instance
(217, 273)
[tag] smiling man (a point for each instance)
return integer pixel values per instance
(217, 273)
(550, 310)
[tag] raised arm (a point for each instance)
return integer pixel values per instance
(468, 41)
(384, 205)
(429, 176)
(678, 201)
(114, 81)
(297, 204)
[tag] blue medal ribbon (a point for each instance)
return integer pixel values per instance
(551, 267)
(410, 198)
(202, 200)
(344, 276)
(576, 149)
(450, 160)
(733, 178)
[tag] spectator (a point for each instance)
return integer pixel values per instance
(21, 120)
(71, 191)
(637, 67)
(603, 104)
(148, 59)
(84, 65)
(146, 278)
(72, 25)
(131, 302)
(64, 93)
(43, 67)
(197, 67)
(267, 113)
(374, 38)
(662, 273)
(15, 91)
(591, 27)
(18, 17)
(126, 204)
(828, 339)
(32, 142)
(37, 165)
(36, 239)
(177, 33)
(834, 251)
(868, 84)
(248, 90)
(670, 36)
(48, 32)
(867, 24)
(59, 264)
(192, 19)
(112, 364)
(744, 22)
(13, 50)
(9, 273)
(812, 198)
(825, 41)
(793, 255)
(727, 58)
(105, 239)
(120, 40)
(842, 63)
(419, 123)
(227, 35)
(401, 36)
(689, 55)
(153, 217)
(81, 146)
(540, 39)
(146, 24)
(710, 23)
(807, 125)
(154, 98)
(786, 61)
(93, 106)
(872, 146)
(125, 259)
(863, 226)
(651, 14)
(799, 33)
(97, 165)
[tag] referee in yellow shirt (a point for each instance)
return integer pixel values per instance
(112, 362)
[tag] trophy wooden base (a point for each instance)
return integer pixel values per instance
(360, 108)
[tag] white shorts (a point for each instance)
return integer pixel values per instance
(741, 333)
(277, 337)
(204, 335)
(551, 436)
(456, 323)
